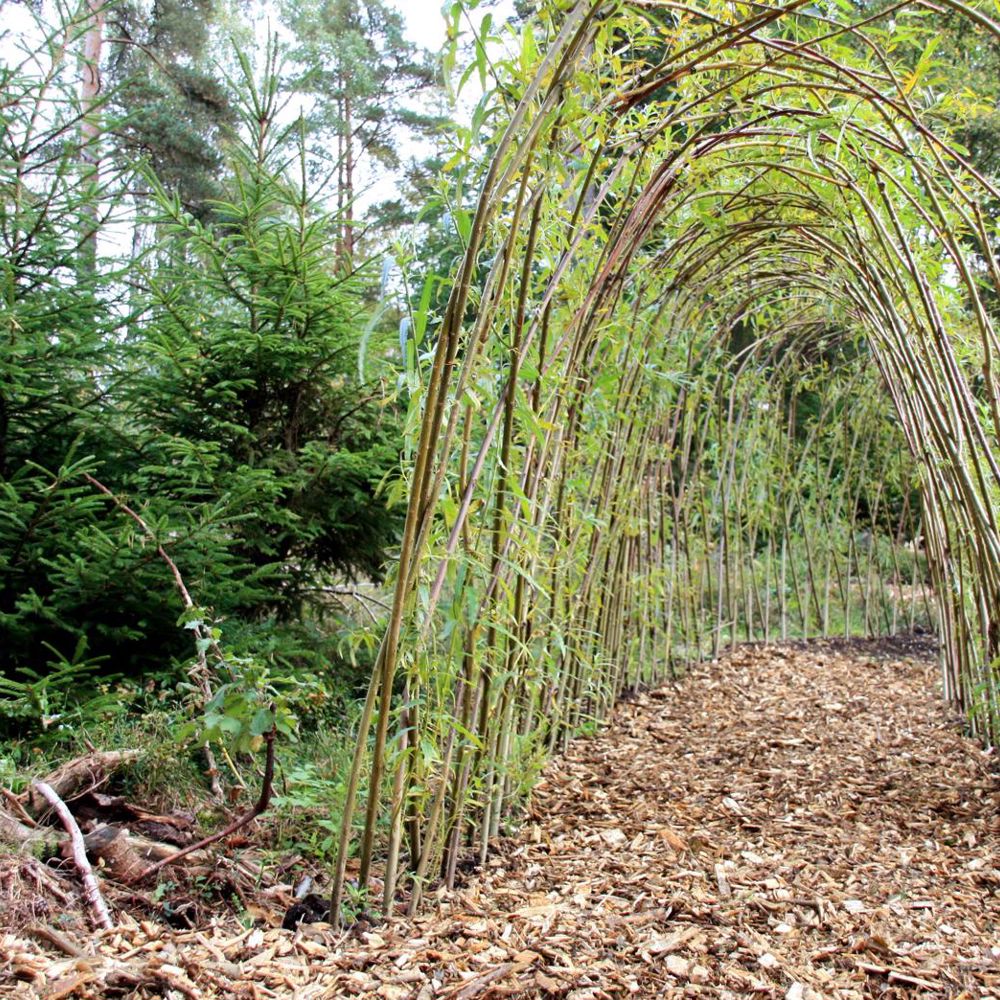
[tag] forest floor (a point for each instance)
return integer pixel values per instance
(795, 822)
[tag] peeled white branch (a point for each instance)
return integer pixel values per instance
(91, 890)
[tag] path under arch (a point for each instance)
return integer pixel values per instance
(792, 822)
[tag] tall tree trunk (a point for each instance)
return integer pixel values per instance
(90, 127)
(348, 199)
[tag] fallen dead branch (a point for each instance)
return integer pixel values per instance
(91, 889)
(22, 836)
(475, 987)
(84, 773)
(57, 940)
(15, 803)
(117, 851)
(127, 855)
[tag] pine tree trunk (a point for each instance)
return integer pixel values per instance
(90, 129)
(348, 200)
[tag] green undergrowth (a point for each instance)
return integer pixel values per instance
(170, 774)
(307, 690)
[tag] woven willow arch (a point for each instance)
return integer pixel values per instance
(671, 254)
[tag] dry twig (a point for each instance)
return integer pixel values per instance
(199, 674)
(92, 891)
(267, 787)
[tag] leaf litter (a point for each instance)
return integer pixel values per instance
(794, 822)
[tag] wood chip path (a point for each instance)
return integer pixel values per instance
(800, 822)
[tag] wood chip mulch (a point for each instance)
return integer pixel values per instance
(796, 822)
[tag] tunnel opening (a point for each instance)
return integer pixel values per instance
(717, 365)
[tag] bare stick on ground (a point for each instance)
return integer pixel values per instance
(13, 831)
(91, 890)
(266, 790)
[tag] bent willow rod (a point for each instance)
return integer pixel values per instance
(718, 363)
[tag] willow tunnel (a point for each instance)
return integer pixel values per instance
(718, 364)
